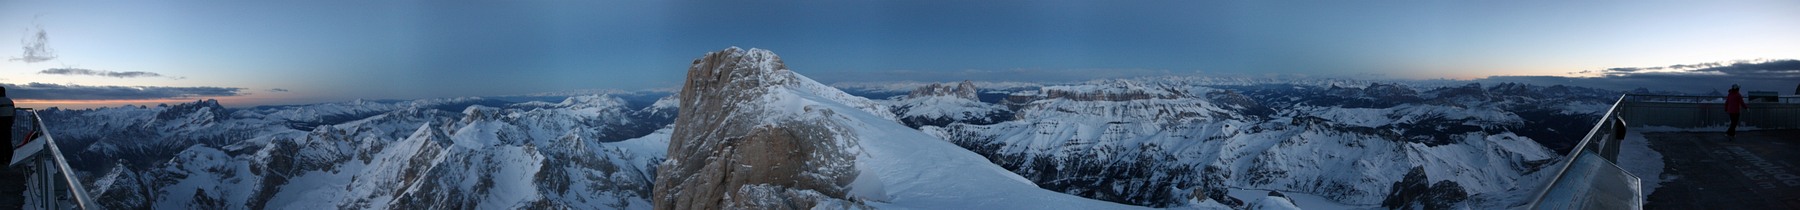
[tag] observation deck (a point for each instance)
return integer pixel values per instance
(1702, 168)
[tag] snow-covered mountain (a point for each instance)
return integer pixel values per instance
(584, 152)
(754, 135)
(1161, 143)
(747, 132)
(940, 105)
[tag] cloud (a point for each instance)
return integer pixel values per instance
(1748, 69)
(1738, 68)
(36, 50)
(1695, 66)
(1766, 68)
(45, 91)
(1631, 69)
(278, 90)
(1701, 78)
(103, 73)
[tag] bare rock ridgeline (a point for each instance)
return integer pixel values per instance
(731, 149)
(966, 90)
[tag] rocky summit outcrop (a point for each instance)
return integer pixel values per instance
(1113, 90)
(745, 138)
(964, 90)
(944, 104)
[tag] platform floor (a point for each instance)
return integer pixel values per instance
(1755, 171)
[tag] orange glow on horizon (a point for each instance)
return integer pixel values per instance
(84, 104)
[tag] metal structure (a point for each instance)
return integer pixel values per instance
(51, 184)
(1708, 111)
(1588, 178)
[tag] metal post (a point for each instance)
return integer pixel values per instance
(50, 185)
(38, 191)
(45, 195)
(56, 188)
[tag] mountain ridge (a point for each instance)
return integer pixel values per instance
(853, 157)
(1159, 142)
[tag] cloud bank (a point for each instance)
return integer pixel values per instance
(45, 91)
(103, 73)
(1702, 78)
(1756, 68)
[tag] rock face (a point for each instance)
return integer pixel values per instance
(457, 153)
(1113, 90)
(751, 134)
(943, 104)
(1175, 143)
(1412, 193)
(965, 90)
(734, 146)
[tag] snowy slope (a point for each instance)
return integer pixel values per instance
(1162, 144)
(943, 104)
(584, 152)
(893, 166)
(916, 171)
(1179, 142)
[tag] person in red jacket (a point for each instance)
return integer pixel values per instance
(1734, 103)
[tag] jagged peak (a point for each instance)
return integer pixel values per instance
(1113, 90)
(479, 113)
(1469, 90)
(200, 103)
(592, 101)
(757, 66)
(207, 110)
(966, 89)
(428, 133)
(428, 103)
(118, 172)
(758, 77)
(667, 102)
(746, 120)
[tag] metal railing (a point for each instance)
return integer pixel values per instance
(51, 184)
(1589, 179)
(1706, 111)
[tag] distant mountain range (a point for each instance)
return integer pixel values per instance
(1175, 142)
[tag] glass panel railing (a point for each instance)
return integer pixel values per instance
(1592, 182)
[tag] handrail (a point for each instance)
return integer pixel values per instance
(76, 190)
(1576, 152)
(1667, 95)
(1702, 111)
(1785, 99)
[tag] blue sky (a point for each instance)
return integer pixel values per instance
(340, 50)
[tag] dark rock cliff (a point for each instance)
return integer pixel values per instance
(730, 151)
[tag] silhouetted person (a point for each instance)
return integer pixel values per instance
(12, 184)
(1734, 103)
(6, 121)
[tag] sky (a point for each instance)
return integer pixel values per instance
(295, 52)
